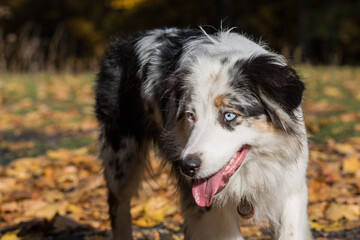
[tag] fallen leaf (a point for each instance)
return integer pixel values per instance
(145, 222)
(332, 92)
(137, 210)
(335, 226)
(33, 204)
(11, 235)
(9, 207)
(351, 164)
(19, 145)
(317, 155)
(7, 184)
(59, 154)
(49, 211)
(74, 209)
(337, 211)
(156, 208)
(345, 148)
(316, 210)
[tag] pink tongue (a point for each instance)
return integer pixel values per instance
(204, 190)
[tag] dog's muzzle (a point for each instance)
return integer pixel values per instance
(190, 165)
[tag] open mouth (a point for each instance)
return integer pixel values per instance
(204, 189)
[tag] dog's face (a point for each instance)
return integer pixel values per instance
(236, 112)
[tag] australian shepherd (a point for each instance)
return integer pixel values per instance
(224, 111)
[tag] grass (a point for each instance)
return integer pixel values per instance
(51, 110)
(332, 102)
(55, 110)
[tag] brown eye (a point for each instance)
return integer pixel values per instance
(190, 116)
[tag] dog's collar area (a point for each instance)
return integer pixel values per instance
(245, 209)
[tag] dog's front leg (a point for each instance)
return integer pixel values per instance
(211, 223)
(294, 219)
(123, 171)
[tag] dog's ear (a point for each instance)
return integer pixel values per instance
(277, 85)
(276, 80)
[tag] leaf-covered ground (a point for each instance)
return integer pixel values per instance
(51, 185)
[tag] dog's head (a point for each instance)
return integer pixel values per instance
(240, 106)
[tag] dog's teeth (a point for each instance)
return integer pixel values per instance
(227, 168)
(231, 160)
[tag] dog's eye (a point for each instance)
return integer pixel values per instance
(190, 116)
(229, 116)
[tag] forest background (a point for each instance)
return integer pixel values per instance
(51, 186)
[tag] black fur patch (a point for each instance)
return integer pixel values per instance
(113, 205)
(117, 92)
(278, 82)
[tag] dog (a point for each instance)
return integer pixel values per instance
(224, 110)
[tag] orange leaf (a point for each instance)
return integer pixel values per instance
(351, 164)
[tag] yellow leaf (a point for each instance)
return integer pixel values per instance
(49, 211)
(9, 207)
(351, 164)
(156, 208)
(317, 155)
(96, 213)
(317, 210)
(74, 208)
(33, 204)
(7, 184)
(11, 235)
(81, 151)
(344, 148)
(332, 92)
(145, 222)
(337, 211)
(348, 117)
(59, 154)
(137, 210)
(335, 226)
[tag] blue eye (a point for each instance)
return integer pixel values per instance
(229, 116)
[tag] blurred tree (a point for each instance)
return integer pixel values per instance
(67, 32)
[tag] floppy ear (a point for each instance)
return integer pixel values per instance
(277, 81)
(278, 85)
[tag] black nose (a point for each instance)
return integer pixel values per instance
(190, 165)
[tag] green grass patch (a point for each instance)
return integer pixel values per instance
(76, 142)
(332, 102)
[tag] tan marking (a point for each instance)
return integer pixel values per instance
(263, 126)
(221, 101)
(239, 120)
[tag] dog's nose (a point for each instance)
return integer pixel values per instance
(190, 165)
